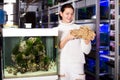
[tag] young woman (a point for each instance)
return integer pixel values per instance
(72, 50)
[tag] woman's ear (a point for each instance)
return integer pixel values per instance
(60, 13)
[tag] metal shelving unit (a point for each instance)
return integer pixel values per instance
(117, 24)
(113, 57)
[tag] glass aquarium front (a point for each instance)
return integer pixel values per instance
(29, 56)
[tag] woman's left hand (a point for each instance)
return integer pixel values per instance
(87, 41)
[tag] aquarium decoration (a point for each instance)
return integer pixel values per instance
(29, 55)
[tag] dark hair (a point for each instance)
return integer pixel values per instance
(63, 7)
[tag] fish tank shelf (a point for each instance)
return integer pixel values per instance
(29, 52)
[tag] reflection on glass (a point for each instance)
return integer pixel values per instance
(104, 34)
(86, 13)
(53, 17)
(104, 9)
(104, 12)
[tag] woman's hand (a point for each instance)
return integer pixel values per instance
(70, 37)
(87, 41)
(65, 40)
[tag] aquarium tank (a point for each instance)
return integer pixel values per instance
(29, 56)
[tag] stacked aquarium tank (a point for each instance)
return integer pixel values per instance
(29, 53)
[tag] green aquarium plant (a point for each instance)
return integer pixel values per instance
(29, 56)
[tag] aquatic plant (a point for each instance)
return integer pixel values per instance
(29, 56)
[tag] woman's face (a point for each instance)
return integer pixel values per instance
(67, 15)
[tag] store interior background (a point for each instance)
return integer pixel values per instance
(101, 15)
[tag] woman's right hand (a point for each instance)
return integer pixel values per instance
(70, 37)
(65, 40)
